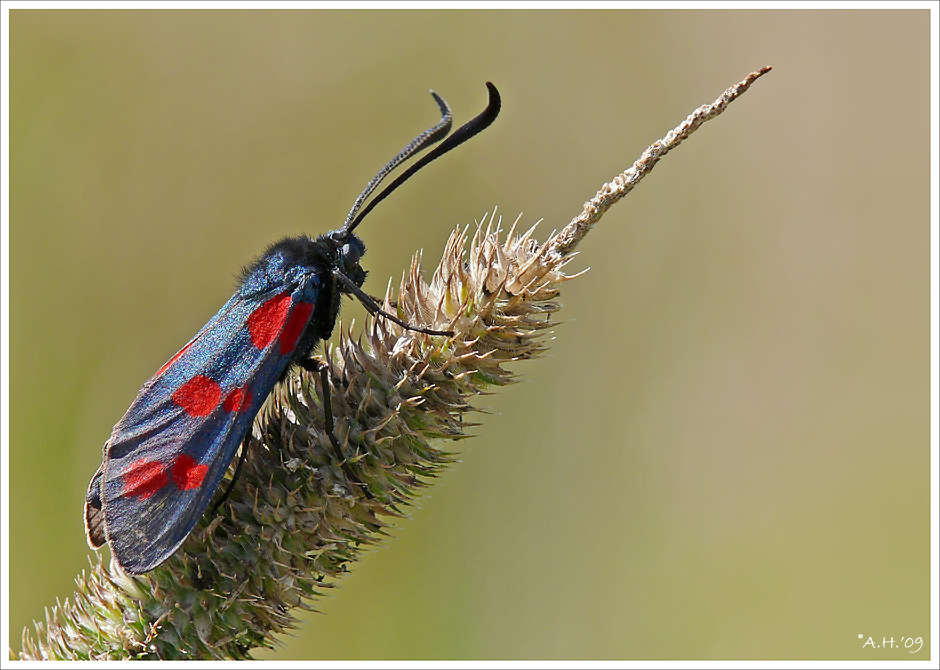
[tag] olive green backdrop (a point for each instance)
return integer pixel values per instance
(726, 453)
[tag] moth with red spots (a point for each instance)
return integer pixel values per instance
(166, 457)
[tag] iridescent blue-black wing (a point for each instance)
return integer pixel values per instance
(166, 456)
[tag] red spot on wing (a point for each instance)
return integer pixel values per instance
(295, 326)
(265, 322)
(199, 396)
(173, 360)
(237, 400)
(188, 473)
(144, 478)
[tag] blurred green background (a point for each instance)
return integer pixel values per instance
(726, 453)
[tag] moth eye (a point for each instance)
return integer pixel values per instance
(350, 253)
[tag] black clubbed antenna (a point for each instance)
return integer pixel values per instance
(428, 137)
(473, 127)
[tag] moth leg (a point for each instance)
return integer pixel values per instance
(373, 307)
(321, 368)
(238, 469)
(324, 371)
(377, 300)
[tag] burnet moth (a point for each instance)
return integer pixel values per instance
(167, 455)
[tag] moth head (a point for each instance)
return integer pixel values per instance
(350, 252)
